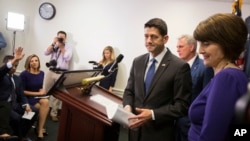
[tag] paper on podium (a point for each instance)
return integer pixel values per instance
(115, 112)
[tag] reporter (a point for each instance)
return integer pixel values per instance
(11, 91)
(32, 79)
(108, 58)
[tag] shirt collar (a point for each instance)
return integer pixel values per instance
(191, 61)
(159, 57)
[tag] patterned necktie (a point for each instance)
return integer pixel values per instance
(150, 74)
(12, 94)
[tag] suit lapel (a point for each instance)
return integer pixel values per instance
(195, 65)
(143, 64)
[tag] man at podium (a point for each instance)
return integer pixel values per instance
(167, 96)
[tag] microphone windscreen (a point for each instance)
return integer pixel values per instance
(92, 79)
(119, 58)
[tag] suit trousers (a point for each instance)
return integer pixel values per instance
(20, 125)
(5, 109)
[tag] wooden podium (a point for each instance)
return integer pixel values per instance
(81, 118)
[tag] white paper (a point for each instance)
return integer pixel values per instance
(28, 115)
(115, 112)
(46, 96)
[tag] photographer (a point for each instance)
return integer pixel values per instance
(60, 56)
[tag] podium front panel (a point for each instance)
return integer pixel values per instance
(84, 120)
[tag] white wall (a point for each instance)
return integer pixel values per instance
(93, 24)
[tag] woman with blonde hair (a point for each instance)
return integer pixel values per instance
(108, 58)
(32, 78)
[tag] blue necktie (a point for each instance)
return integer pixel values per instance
(150, 74)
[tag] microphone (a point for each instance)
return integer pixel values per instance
(92, 79)
(93, 62)
(117, 60)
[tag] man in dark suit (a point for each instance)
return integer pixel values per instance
(201, 75)
(11, 94)
(168, 95)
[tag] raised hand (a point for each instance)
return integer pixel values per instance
(18, 55)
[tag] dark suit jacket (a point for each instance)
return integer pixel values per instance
(169, 96)
(110, 77)
(201, 75)
(6, 86)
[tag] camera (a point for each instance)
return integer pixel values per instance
(51, 63)
(60, 40)
(96, 65)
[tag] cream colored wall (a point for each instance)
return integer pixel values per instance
(93, 24)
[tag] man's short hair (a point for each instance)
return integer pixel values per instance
(7, 58)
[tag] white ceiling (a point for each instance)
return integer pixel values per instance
(244, 1)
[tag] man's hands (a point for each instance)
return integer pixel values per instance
(27, 108)
(58, 44)
(55, 40)
(138, 120)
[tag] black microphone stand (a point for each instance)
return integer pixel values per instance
(87, 89)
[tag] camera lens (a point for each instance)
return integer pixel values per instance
(60, 40)
(51, 63)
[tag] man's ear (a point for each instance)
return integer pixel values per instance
(192, 48)
(165, 39)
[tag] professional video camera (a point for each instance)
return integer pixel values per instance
(51, 63)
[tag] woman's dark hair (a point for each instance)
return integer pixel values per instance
(227, 30)
(62, 32)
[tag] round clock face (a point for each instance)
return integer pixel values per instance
(47, 11)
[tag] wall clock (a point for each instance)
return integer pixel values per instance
(47, 10)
